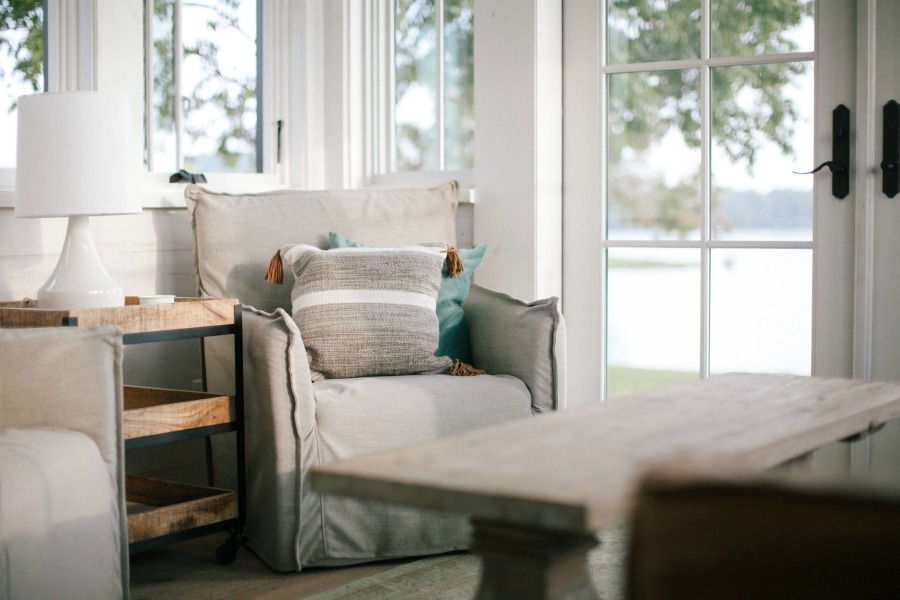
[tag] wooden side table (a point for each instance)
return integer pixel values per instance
(159, 511)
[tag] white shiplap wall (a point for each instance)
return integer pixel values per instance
(147, 253)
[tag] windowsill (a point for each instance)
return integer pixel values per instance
(157, 192)
(465, 178)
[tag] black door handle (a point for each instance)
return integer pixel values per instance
(839, 165)
(890, 165)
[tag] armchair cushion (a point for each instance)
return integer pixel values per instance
(367, 311)
(370, 414)
(236, 234)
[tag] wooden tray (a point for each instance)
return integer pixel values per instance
(157, 507)
(151, 411)
(134, 317)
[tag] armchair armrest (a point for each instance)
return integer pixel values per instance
(280, 426)
(526, 340)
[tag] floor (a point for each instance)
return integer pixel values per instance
(189, 570)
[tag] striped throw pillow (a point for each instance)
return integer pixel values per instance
(367, 311)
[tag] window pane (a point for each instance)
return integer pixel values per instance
(654, 155)
(415, 44)
(653, 303)
(761, 311)
(762, 131)
(162, 117)
(21, 66)
(754, 28)
(218, 87)
(459, 85)
(652, 30)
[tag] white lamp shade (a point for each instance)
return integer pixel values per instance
(75, 155)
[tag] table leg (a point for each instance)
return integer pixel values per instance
(532, 564)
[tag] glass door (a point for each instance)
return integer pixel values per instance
(708, 233)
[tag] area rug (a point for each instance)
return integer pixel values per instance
(455, 576)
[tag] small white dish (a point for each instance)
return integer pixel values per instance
(158, 299)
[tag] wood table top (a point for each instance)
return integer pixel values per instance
(572, 470)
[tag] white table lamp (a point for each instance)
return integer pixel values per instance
(75, 159)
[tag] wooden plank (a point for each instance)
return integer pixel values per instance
(132, 318)
(175, 507)
(151, 411)
(572, 470)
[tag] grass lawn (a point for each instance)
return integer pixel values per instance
(627, 380)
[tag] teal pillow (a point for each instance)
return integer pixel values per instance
(454, 331)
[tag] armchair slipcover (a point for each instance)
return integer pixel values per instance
(293, 424)
(63, 525)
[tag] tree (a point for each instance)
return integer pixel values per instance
(750, 105)
(221, 107)
(27, 51)
(414, 50)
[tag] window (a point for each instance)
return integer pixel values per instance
(434, 85)
(21, 66)
(201, 86)
(234, 99)
(708, 235)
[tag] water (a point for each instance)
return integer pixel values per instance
(760, 309)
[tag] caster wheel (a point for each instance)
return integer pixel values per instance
(227, 553)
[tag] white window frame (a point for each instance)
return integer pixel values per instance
(274, 31)
(585, 177)
(369, 117)
(99, 45)
(64, 55)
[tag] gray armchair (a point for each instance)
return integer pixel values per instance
(294, 424)
(63, 525)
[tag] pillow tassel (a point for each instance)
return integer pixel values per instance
(275, 274)
(454, 262)
(461, 369)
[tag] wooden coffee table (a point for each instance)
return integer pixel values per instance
(537, 490)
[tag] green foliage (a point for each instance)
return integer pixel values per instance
(27, 52)
(655, 30)
(228, 100)
(629, 380)
(750, 103)
(414, 47)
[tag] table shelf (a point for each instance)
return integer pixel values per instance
(158, 508)
(156, 411)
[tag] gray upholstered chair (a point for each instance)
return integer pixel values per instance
(294, 424)
(63, 526)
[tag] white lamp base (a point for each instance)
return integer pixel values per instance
(79, 279)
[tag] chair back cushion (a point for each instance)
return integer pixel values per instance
(235, 235)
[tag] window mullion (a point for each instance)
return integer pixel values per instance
(705, 209)
(178, 105)
(148, 81)
(439, 70)
(389, 68)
